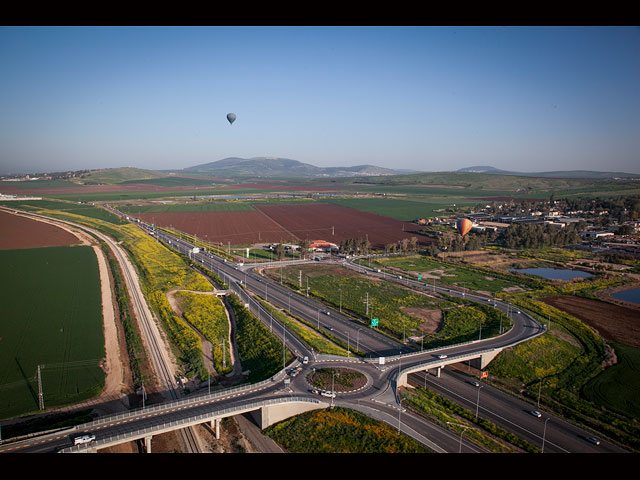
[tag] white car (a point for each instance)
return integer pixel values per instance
(84, 439)
(442, 356)
(536, 413)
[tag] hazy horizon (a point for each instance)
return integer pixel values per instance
(526, 99)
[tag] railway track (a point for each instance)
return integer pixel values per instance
(152, 338)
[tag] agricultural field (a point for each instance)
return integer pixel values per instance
(617, 386)
(234, 227)
(52, 316)
(281, 222)
(408, 209)
(22, 232)
(335, 223)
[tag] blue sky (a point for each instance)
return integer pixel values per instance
(425, 98)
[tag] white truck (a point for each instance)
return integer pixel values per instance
(84, 439)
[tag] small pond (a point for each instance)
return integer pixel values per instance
(632, 295)
(554, 273)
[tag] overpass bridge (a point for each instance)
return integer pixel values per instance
(479, 360)
(183, 414)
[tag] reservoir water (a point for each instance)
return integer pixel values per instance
(632, 295)
(554, 273)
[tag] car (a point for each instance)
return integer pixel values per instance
(536, 413)
(328, 394)
(84, 439)
(442, 356)
(593, 440)
(305, 360)
(475, 384)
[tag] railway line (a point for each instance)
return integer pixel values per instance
(152, 338)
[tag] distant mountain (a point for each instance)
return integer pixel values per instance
(587, 174)
(282, 167)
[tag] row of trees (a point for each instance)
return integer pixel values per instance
(521, 235)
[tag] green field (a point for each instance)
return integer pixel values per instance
(618, 387)
(402, 209)
(52, 316)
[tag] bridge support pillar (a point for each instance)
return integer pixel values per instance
(147, 444)
(270, 414)
(216, 426)
(438, 371)
(485, 358)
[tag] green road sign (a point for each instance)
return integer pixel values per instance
(374, 322)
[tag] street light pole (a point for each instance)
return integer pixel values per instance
(544, 433)
(464, 429)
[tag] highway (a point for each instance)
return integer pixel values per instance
(378, 398)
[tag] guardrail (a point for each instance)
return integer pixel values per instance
(201, 418)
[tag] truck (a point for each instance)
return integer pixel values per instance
(84, 439)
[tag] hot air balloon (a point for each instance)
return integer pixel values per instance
(231, 117)
(464, 225)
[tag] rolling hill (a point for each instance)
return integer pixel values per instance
(282, 167)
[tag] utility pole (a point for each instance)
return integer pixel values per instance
(367, 303)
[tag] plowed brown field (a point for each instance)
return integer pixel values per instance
(223, 227)
(335, 223)
(20, 232)
(613, 322)
(284, 223)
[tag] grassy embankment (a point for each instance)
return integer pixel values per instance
(397, 308)
(339, 430)
(261, 354)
